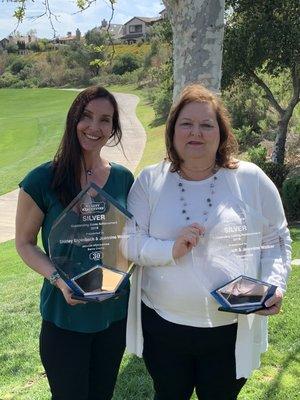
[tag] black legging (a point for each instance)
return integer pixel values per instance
(82, 366)
(182, 358)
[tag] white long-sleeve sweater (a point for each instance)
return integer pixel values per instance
(265, 216)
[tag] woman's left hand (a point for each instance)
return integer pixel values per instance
(273, 304)
(67, 293)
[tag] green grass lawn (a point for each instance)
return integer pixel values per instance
(295, 231)
(31, 125)
(22, 376)
(32, 122)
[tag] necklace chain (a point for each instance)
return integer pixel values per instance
(212, 165)
(208, 200)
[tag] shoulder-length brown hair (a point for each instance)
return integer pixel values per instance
(228, 144)
(68, 160)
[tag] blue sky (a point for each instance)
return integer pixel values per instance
(69, 21)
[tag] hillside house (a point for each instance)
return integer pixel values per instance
(115, 30)
(20, 40)
(136, 29)
(67, 39)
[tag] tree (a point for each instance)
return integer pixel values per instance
(95, 37)
(161, 32)
(38, 45)
(263, 37)
(88, 57)
(78, 34)
(198, 27)
(12, 48)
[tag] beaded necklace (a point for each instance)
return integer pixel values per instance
(209, 199)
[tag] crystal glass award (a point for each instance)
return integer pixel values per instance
(243, 295)
(88, 244)
(233, 243)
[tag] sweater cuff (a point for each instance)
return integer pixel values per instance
(157, 254)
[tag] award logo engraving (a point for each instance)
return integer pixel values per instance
(91, 208)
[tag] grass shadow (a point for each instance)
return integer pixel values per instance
(134, 382)
(157, 122)
(274, 387)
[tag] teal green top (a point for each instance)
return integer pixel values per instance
(89, 317)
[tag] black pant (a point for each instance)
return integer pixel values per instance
(82, 366)
(180, 358)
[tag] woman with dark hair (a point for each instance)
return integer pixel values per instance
(81, 344)
(205, 218)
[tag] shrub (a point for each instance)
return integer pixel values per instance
(76, 76)
(125, 63)
(5, 61)
(162, 102)
(247, 106)
(147, 60)
(276, 172)
(134, 77)
(161, 97)
(162, 31)
(154, 76)
(19, 84)
(32, 82)
(18, 65)
(7, 80)
(27, 72)
(37, 46)
(291, 198)
(129, 78)
(106, 80)
(246, 137)
(258, 155)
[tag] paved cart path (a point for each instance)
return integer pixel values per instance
(134, 140)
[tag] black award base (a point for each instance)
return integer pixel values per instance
(100, 297)
(243, 295)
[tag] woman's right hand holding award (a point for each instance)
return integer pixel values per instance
(186, 240)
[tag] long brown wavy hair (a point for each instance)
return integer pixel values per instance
(228, 144)
(68, 160)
